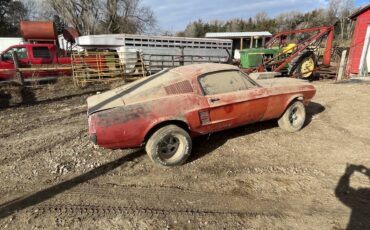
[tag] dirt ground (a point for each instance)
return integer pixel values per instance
(252, 177)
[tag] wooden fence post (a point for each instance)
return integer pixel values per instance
(342, 65)
(18, 75)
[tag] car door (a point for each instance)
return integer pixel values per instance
(7, 61)
(41, 55)
(233, 99)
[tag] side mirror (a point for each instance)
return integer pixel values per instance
(2, 57)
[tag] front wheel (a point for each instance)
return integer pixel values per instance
(169, 146)
(293, 118)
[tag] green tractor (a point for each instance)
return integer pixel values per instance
(303, 66)
(291, 59)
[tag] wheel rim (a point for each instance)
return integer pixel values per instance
(307, 67)
(168, 146)
(295, 117)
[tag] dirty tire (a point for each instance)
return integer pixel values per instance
(169, 146)
(300, 68)
(293, 118)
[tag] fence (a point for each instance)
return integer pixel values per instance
(92, 67)
(157, 62)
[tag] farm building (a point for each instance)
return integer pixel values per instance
(359, 54)
(243, 40)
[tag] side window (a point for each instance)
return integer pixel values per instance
(41, 52)
(22, 53)
(224, 82)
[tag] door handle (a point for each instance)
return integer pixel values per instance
(213, 99)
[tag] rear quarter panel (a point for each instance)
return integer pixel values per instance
(281, 96)
(126, 126)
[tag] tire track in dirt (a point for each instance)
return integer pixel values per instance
(107, 201)
(110, 211)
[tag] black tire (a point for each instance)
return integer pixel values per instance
(298, 66)
(293, 118)
(169, 146)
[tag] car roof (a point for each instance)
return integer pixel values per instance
(199, 69)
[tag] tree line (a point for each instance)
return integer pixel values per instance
(131, 16)
(336, 14)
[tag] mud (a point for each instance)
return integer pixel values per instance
(252, 177)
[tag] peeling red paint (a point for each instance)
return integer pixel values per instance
(126, 126)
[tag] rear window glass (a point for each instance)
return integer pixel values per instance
(163, 78)
(41, 52)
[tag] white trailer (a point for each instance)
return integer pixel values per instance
(161, 51)
(6, 42)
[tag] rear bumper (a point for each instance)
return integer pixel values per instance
(92, 129)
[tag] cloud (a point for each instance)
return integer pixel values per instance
(175, 15)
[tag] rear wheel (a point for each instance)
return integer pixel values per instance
(293, 118)
(169, 146)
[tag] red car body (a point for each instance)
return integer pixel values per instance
(201, 98)
(32, 55)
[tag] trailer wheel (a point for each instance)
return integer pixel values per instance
(305, 65)
(293, 118)
(169, 146)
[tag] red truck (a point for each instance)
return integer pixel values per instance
(41, 55)
(32, 56)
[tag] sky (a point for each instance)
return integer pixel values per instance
(174, 15)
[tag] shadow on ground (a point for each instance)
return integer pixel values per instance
(356, 199)
(206, 144)
(20, 203)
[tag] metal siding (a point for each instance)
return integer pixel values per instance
(237, 34)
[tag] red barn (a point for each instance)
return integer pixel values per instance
(359, 41)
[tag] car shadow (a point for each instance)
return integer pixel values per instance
(208, 143)
(11, 207)
(356, 199)
(312, 109)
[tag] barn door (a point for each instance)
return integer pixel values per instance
(365, 57)
(368, 49)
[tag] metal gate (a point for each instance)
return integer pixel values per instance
(103, 67)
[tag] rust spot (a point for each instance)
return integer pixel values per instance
(121, 115)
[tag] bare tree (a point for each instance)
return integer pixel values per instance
(260, 17)
(104, 16)
(83, 15)
(333, 10)
(127, 16)
(345, 10)
(38, 10)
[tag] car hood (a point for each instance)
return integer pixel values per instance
(282, 81)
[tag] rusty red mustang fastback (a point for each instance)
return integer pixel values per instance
(165, 110)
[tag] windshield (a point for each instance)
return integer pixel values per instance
(20, 51)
